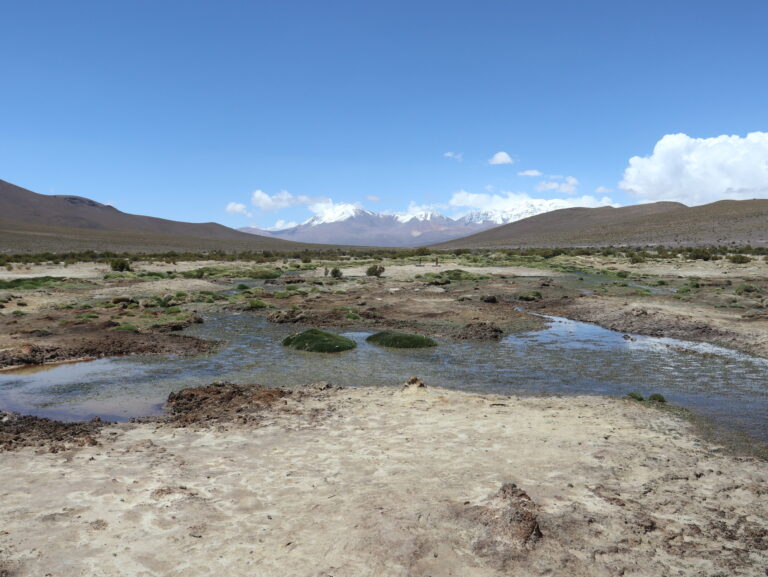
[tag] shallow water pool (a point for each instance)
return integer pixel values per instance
(569, 357)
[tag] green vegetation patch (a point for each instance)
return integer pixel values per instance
(317, 341)
(31, 283)
(398, 340)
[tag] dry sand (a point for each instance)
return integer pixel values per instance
(390, 482)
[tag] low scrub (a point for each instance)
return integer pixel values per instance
(398, 340)
(31, 283)
(317, 341)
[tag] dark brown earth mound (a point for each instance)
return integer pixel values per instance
(220, 401)
(17, 431)
(104, 344)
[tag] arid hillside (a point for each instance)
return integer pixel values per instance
(31, 222)
(668, 223)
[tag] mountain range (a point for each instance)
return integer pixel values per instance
(738, 222)
(349, 224)
(32, 222)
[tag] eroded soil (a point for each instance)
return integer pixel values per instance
(386, 481)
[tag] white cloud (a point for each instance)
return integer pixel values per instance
(603, 190)
(282, 225)
(567, 185)
(521, 201)
(459, 156)
(700, 170)
(237, 208)
(282, 199)
(372, 198)
(501, 158)
(529, 173)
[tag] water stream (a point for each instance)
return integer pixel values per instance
(569, 357)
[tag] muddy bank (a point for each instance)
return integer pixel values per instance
(660, 320)
(18, 431)
(99, 345)
(387, 481)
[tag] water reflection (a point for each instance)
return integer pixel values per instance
(567, 358)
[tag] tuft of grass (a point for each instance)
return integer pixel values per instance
(242, 287)
(396, 340)
(657, 398)
(127, 327)
(19, 313)
(254, 304)
(635, 396)
(530, 296)
(317, 341)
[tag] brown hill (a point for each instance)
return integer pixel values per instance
(667, 223)
(31, 222)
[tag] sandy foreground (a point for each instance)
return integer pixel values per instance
(389, 482)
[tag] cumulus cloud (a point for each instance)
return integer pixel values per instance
(237, 208)
(603, 190)
(501, 158)
(700, 170)
(282, 199)
(459, 156)
(521, 201)
(282, 225)
(567, 185)
(529, 173)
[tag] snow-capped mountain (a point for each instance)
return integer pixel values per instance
(350, 224)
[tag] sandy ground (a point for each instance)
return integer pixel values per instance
(676, 267)
(390, 482)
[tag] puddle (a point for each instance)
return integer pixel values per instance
(569, 357)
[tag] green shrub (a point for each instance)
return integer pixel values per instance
(398, 340)
(120, 265)
(256, 304)
(353, 316)
(173, 310)
(657, 398)
(635, 396)
(336, 272)
(317, 341)
(242, 287)
(127, 327)
(530, 296)
(19, 313)
(375, 270)
(739, 259)
(746, 289)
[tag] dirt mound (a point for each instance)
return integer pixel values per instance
(479, 332)
(220, 401)
(508, 523)
(17, 431)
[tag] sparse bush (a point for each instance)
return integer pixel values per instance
(242, 287)
(128, 327)
(398, 340)
(120, 265)
(746, 289)
(739, 259)
(254, 304)
(657, 398)
(530, 296)
(375, 270)
(336, 272)
(635, 396)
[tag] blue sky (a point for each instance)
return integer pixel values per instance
(177, 109)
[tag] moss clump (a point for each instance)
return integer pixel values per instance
(317, 341)
(397, 340)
